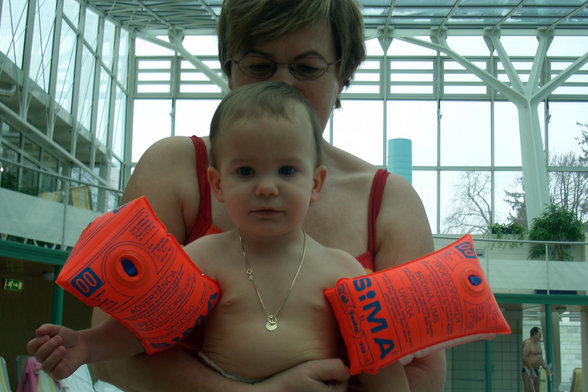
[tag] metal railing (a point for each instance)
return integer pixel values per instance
(61, 203)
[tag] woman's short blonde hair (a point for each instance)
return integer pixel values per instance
(245, 23)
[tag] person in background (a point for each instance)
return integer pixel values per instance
(314, 46)
(532, 361)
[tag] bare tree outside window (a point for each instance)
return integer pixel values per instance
(568, 186)
(471, 210)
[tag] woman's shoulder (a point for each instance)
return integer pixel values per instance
(170, 161)
(402, 228)
(170, 147)
(345, 169)
(166, 175)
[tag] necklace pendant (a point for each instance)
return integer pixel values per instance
(249, 272)
(272, 323)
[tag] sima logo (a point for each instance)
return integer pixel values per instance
(371, 304)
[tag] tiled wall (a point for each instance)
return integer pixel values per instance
(466, 364)
(506, 356)
(571, 349)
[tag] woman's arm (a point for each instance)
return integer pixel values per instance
(403, 234)
(177, 370)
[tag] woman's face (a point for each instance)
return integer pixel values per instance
(311, 40)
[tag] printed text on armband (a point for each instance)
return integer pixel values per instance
(155, 294)
(374, 307)
(455, 314)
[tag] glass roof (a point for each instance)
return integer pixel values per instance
(458, 17)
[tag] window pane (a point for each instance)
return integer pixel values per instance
(568, 46)
(71, 9)
(468, 45)
(358, 130)
(465, 133)
(508, 187)
(91, 28)
(563, 126)
(199, 45)
(86, 88)
(151, 122)
(42, 43)
(108, 44)
(519, 46)
(465, 202)
(373, 47)
(12, 30)
(415, 120)
(401, 48)
(425, 184)
(146, 48)
(118, 132)
(507, 141)
(193, 116)
(103, 107)
(65, 67)
(123, 58)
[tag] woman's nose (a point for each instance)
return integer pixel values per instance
(283, 75)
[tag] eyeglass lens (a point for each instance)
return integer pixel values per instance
(305, 68)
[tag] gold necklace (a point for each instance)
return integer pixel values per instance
(272, 319)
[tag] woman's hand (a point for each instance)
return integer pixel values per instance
(313, 376)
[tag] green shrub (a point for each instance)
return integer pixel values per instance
(555, 224)
(507, 231)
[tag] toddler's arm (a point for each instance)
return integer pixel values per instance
(61, 350)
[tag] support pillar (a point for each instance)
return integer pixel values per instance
(57, 301)
(584, 340)
(533, 157)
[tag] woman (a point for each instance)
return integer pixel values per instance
(314, 46)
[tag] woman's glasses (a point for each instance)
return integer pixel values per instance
(257, 66)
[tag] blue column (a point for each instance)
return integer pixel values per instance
(400, 158)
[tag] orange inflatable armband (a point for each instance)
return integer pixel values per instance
(127, 264)
(438, 301)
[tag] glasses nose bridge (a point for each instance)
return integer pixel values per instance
(287, 75)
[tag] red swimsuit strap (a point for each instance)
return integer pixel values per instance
(204, 218)
(376, 195)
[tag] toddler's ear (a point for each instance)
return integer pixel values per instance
(320, 175)
(215, 183)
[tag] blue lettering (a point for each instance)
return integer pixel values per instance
(212, 300)
(87, 282)
(385, 345)
(382, 324)
(467, 250)
(361, 284)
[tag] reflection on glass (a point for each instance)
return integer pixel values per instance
(42, 39)
(86, 88)
(103, 107)
(65, 68)
(118, 131)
